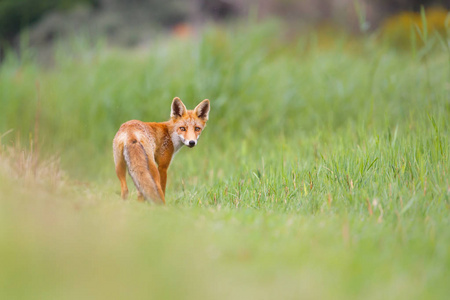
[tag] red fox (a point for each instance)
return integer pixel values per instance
(147, 148)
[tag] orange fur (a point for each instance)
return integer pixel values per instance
(146, 148)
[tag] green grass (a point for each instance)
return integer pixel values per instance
(323, 171)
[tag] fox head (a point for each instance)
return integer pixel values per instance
(188, 124)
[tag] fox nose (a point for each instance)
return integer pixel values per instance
(191, 143)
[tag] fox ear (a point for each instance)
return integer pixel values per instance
(202, 110)
(178, 108)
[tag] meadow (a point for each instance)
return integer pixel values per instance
(323, 171)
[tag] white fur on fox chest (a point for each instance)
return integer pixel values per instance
(176, 141)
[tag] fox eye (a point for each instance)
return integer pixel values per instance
(182, 128)
(197, 128)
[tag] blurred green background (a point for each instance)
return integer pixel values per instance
(323, 171)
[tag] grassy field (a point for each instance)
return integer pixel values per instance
(323, 171)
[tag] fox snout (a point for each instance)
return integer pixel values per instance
(192, 143)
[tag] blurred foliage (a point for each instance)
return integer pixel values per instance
(321, 166)
(317, 83)
(128, 22)
(415, 5)
(167, 12)
(17, 14)
(398, 29)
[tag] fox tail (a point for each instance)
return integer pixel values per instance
(138, 166)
